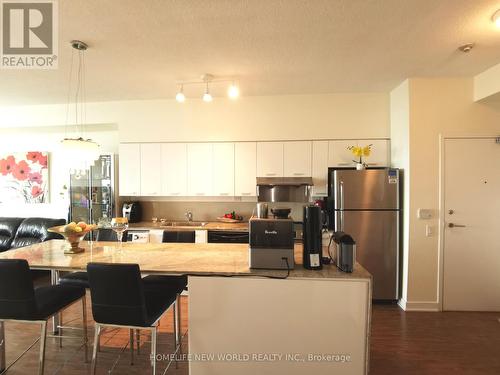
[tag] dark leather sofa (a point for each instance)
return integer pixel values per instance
(18, 232)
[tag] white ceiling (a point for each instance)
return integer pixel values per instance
(139, 49)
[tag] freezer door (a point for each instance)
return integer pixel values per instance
(376, 236)
(372, 189)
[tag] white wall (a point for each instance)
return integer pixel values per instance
(487, 83)
(437, 107)
(400, 158)
(248, 118)
(48, 139)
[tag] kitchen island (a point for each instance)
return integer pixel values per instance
(242, 320)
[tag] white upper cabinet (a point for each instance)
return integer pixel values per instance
(380, 155)
(320, 168)
(223, 169)
(174, 169)
(245, 168)
(297, 159)
(340, 156)
(270, 159)
(199, 169)
(129, 164)
(150, 165)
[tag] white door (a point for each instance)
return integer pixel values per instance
(297, 159)
(223, 169)
(129, 168)
(200, 169)
(150, 165)
(270, 159)
(174, 169)
(320, 168)
(245, 169)
(471, 261)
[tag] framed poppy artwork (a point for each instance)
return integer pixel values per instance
(24, 177)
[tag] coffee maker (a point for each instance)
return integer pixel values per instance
(132, 211)
(312, 238)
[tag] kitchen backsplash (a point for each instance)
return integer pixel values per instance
(208, 211)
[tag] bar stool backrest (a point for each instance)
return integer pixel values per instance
(17, 295)
(117, 294)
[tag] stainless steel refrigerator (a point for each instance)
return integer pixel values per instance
(92, 194)
(366, 206)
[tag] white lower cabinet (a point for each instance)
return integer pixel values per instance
(150, 165)
(174, 169)
(245, 169)
(320, 168)
(199, 169)
(129, 172)
(223, 169)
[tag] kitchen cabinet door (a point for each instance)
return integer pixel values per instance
(297, 159)
(223, 169)
(339, 155)
(150, 165)
(245, 169)
(174, 169)
(320, 168)
(129, 169)
(199, 169)
(270, 159)
(380, 152)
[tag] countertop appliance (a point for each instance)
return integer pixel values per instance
(366, 205)
(345, 251)
(216, 236)
(271, 243)
(92, 194)
(313, 248)
(281, 213)
(132, 211)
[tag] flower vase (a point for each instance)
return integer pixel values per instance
(360, 166)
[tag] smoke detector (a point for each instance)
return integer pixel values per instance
(466, 48)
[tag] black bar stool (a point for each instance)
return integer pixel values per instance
(21, 302)
(119, 299)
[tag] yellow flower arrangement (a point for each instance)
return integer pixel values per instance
(360, 152)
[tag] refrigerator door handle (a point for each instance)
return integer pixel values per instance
(341, 193)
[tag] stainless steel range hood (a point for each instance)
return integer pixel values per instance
(284, 189)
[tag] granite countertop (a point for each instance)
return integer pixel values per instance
(210, 259)
(211, 225)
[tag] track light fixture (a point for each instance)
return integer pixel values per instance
(233, 91)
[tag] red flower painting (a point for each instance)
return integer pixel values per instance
(7, 165)
(21, 170)
(24, 177)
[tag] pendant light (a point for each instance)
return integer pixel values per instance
(180, 97)
(233, 92)
(80, 153)
(206, 96)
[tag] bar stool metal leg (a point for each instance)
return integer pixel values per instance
(60, 329)
(175, 334)
(54, 276)
(43, 337)
(179, 322)
(138, 339)
(2, 346)
(85, 333)
(94, 351)
(131, 346)
(153, 350)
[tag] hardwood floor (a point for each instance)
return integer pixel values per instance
(402, 343)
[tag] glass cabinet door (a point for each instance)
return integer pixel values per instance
(80, 198)
(101, 190)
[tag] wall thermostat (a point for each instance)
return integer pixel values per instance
(424, 213)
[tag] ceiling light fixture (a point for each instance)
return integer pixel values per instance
(496, 18)
(209, 80)
(206, 96)
(233, 92)
(180, 97)
(80, 153)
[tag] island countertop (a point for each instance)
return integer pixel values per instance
(210, 225)
(209, 259)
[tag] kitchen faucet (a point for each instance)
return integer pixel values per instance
(189, 215)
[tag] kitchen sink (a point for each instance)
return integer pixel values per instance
(184, 224)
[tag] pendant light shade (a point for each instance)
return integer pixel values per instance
(80, 154)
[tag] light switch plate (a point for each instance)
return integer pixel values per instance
(424, 213)
(429, 230)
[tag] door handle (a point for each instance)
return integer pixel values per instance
(452, 225)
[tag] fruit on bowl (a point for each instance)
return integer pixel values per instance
(73, 233)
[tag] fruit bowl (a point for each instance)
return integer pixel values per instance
(73, 236)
